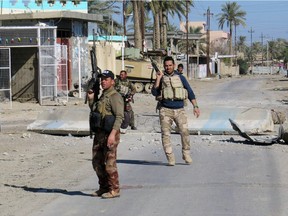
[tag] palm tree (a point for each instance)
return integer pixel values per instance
(137, 27)
(241, 44)
(154, 7)
(171, 8)
(182, 45)
(160, 11)
(276, 48)
(106, 8)
(232, 15)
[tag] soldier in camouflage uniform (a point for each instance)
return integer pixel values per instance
(180, 68)
(106, 140)
(127, 90)
(171, 89)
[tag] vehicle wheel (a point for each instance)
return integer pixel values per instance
(139, 87)
(73, 93)
(148, 87)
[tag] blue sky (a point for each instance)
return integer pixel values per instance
(267, 18)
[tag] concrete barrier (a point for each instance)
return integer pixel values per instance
(62, 122)
(213, 120)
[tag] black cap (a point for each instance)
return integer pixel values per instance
(107, 73)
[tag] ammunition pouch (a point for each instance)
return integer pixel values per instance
(108, 123)
(95, 121)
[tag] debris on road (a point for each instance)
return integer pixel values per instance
(260, 141)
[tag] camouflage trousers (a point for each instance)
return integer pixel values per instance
(132, 120)
(104, 161)
(129, 119)
(167, 117)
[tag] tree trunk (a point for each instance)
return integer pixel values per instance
(142, 23)
(161, 26)
(230, 43)
(164, 28)
(156, 40)
(137, 29)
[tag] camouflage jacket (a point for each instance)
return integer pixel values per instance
(113, 104)
(125, 87)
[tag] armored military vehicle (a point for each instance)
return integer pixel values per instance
(139, 68)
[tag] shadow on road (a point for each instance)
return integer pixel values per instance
(49, 190)
(141, 162)
(244, 142)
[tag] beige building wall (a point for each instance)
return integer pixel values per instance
(106, 56)
(194, 25)
(229, 71)
(214, 35)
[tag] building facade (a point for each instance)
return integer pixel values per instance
(70, 23)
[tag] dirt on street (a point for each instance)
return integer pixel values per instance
(32, 163)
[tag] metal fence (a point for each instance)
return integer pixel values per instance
(265, 70)
(5, 79)
(53, 74)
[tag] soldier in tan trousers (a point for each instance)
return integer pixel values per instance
(171, 89)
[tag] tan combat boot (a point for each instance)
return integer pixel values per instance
(171, 159)
(111, 194)
(99, 192)
(187, 158)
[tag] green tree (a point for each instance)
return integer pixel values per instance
(107, 9)
(285, 53)
(232, 15)
(171, 8)
(277, 48)
(192, 44)
(241, 44)
(137, 27)
(161, 10)
(154, 7)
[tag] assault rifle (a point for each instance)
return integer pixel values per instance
(93, 83)
(154, 65)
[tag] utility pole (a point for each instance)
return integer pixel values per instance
(187, 41)
(251, 56)
(267, 54)
(262, 41)
(208, 14)
(235, 44)
(262, 47)
(124, 34)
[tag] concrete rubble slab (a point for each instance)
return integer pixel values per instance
(62, 122)
(214, 120)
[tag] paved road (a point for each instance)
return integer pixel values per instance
(239, 93)
(228, 177)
